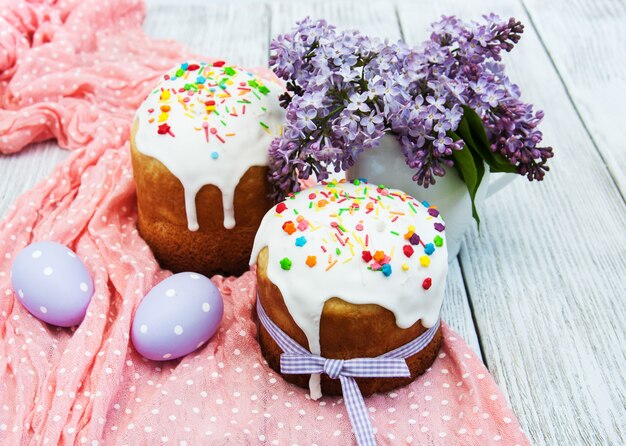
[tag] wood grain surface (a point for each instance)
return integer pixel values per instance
(545, 276)
(585, 41)
(540, 291)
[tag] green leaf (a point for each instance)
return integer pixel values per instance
(471, 169)
(475, 130)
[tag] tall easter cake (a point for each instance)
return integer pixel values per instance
(199, 148)
(351, 270)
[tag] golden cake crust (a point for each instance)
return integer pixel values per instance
(212, 249)
(346, 331)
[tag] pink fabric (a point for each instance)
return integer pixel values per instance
(76, 71)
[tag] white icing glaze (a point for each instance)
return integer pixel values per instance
(215, 144)
(379, 222)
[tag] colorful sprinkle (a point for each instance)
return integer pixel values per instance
(165, 129)
(333, 263)
(366, 256)
(386, 269)
(408, 250)
(429, 248)
(414, 239)
(281, 207)
(289, 227)
(285, 264)
(439, 227)
(425, 261)
(427, 283)
(301, 241)
(311, 261)
(438, 241)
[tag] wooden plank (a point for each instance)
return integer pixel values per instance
(235, 31)
(546, 276)
(377, 19)
(456, 310)
(21, 171)
(591, 66)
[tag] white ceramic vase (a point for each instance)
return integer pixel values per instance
(387, 165)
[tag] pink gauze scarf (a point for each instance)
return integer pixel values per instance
(75, 71)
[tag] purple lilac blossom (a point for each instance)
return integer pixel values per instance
(345, 91)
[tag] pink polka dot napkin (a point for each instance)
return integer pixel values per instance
(75, 71)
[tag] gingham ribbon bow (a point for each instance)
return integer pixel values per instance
(298, 360)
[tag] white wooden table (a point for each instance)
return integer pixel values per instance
(540, 293)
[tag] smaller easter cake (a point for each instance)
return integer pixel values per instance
(199, 147)
(351, 270)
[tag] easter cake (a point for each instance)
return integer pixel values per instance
(351, 270)
(199, 147)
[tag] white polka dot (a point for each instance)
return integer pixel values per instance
(36, 254)
(83, 286)
(178, 330)
(43, 309)
(194, 276)
(71, 254)
(170, 293)
(206, 307)
(20, 293)
(47, 271)
(143, 328)
(167, 355)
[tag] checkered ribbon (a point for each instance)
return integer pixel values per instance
(298, 360)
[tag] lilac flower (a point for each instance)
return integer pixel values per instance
(345, 91)
(371, 122)
(359, 102)
(350, 122)
(442, 143)
(305, 119)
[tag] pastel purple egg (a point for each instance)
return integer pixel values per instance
(177, 316)
(52, 283)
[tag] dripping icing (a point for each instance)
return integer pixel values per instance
(208, 124)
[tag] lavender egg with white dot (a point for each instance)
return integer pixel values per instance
(177, 316)
(52, 283)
